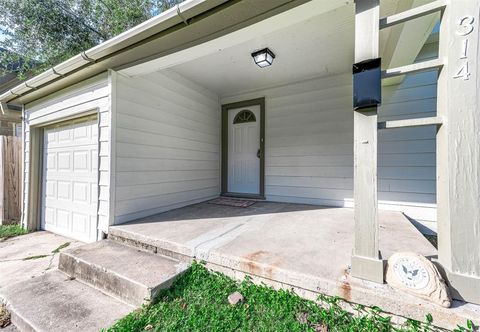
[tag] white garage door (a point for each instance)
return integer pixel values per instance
(70, 178)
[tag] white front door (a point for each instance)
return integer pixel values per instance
(70, 179)
(243, 150)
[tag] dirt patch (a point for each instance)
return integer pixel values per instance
(4, 316)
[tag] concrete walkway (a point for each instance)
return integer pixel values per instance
(304, 247)
(94, 285)
(29, 256)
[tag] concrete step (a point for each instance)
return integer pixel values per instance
(149, 244)
(124, 272)
(54, 302)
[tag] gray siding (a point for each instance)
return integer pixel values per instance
(167, 144)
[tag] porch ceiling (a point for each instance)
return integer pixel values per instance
(317, 46)
(313, 40)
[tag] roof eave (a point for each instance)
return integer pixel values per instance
(178, 14)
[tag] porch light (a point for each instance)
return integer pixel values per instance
(263, 58)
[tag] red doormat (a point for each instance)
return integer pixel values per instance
(231, 202)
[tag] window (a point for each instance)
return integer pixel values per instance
(244, 117)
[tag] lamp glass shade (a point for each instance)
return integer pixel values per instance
(263, 58)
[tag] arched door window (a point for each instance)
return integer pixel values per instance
(244, 116)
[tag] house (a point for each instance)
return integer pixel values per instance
(175, 112)
(10, 124)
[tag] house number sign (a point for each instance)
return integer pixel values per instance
(465, 26)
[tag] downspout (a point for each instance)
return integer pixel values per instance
(179, 13)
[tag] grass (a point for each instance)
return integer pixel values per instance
(8, 231)
(31, 258)
(198, 302)
(60, 247)
(54, 252)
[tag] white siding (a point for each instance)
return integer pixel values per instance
(91, 95)
(309, 143)
(167, 144)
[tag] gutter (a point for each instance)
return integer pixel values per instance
(180, 14)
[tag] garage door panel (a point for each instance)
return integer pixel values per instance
(50, 216)
(64, 190)
(70, 179)
(64, 163)
(81, 161)
(80, 223)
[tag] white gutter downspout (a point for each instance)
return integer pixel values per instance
(112, 46)
(179, 13)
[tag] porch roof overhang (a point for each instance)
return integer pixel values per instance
(188, 24)
(312, 40)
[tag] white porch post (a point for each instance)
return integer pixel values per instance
(366, 261)
(458, 149)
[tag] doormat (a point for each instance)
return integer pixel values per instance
(232, 202)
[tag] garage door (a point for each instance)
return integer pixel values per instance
(70, 178)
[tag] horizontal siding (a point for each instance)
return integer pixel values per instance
(409, 154)
(309, 143)
(91, 94)
(167, 144)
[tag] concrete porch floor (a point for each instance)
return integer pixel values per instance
(304, 247)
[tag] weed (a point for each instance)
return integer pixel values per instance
(29, 258)
(198, 302)
(8, 231)
(60, 247)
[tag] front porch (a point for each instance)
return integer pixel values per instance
(304, 247)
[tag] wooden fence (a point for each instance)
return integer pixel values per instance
(10, 179)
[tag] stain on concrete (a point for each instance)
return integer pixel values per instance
(345, 289)
(271, 261)
(256, 255)
(252, 260)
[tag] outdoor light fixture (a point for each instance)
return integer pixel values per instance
(263, 58)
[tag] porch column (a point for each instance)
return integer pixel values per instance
(458, 149)
(366, 261)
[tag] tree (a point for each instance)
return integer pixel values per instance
(42, 33)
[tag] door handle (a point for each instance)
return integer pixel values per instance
(259, 153)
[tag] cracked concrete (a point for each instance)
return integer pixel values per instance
(13, 266)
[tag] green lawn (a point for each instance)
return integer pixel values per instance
(198, 302)
(7, 231)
